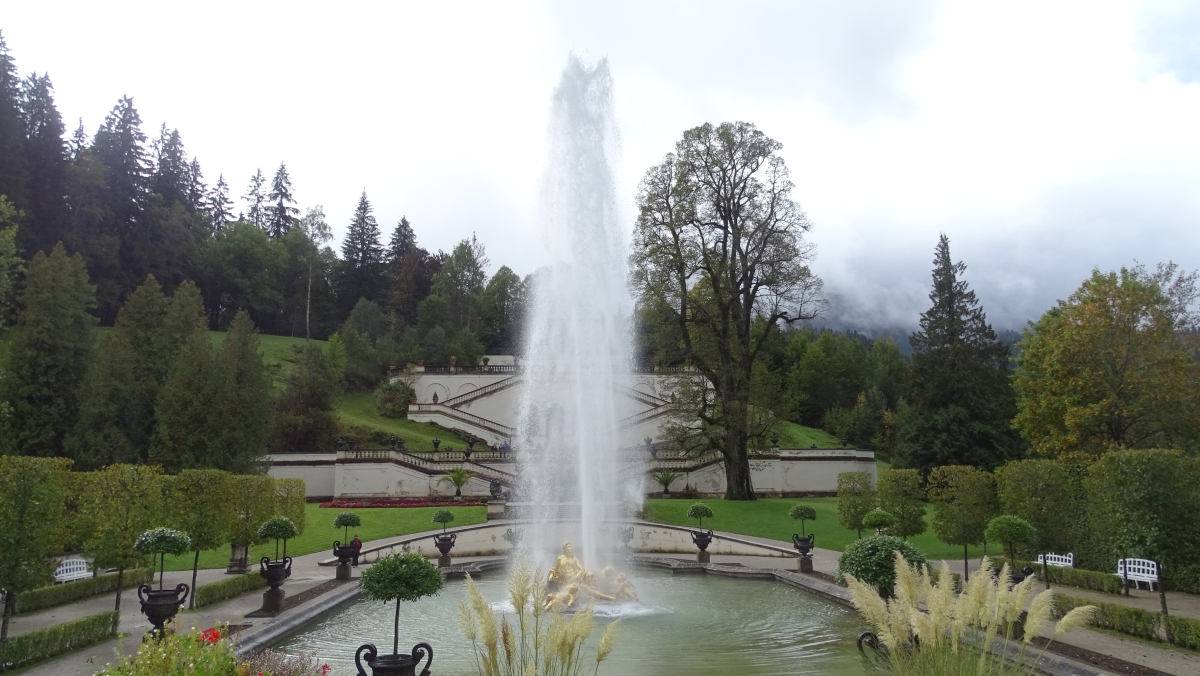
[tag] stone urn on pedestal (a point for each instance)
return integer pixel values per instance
(397, 577)
(160, 605)
(701, 538)
(445, 541)
(513, 538)
(345, 552)
(803, 543)
(275, 572)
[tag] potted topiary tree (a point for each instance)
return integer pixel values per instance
(445, 541)
(160, 604)
(804, 543)
(1011, 532)
(398, 577)
(880, 520)
(275, 572)
(701, 538)
(345, 552)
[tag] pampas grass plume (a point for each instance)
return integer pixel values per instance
(1039, 613)
(1075, 619)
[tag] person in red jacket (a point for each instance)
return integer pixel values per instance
(357, 545)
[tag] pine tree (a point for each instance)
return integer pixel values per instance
(46, 161)
(183, 435)
(196, 190)
(219, 204)
(79, 140)
(960, 401)
(404, 240)
(49, 355)
(280, 210)
(242, 400)
(256, 199)
(120, 145)
(304, 419)
(171, 172)
(362, 255)
(13, 176)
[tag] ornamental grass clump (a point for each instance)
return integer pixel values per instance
(400, 577)
(278, 528)
(926, 628)
(158, 542)
(544, 642)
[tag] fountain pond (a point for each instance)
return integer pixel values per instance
(685, 624)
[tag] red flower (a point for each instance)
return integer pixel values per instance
(324, 669)
(210, 635)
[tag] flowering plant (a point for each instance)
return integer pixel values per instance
(367, 503)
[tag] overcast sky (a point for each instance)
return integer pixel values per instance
(1044, 138)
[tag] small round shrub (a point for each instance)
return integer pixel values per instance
(878, 519)
(347, 520)
(277, 528)
(873, 560)
(1012, 532)
(404, 577)
(443, 516)
(803, 512)
(391, 399)
(700, 511)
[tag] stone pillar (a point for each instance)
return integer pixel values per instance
(495, 509)
(444, 561)
(702, 557)
(273, 600)
(239, 560)
(343, 572)
(805, 565)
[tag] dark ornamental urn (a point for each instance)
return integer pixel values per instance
(160, 605)
(513, 537)
(274, 572)
(804, 545)
(444, 543)
(345, 556)
(393, 665)
(702, 538)
(626, 536)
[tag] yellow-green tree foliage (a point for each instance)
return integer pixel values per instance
(1111, 367)
(901, 495)
(253, 503)
(1039, 492)
(121, 503)
(289, 496)
(856, 496)
(964, 501)
(32, 524)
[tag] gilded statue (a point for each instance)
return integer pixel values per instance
(576, 582)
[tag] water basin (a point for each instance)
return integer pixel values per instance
(684, 625)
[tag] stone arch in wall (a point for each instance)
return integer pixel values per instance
(465, 388)
(442, 393)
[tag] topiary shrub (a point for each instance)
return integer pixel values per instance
(879, 520)
(400, 577)
(278, 528)
(158, 542)
(346, 521)
(802, 513)
(700, 511)
(873, 561)
(443, 516)
(392, 398)
(1012, 532)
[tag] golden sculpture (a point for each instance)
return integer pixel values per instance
(568, 574)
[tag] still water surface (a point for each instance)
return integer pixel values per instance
(694, 625)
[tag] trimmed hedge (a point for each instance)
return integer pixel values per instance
(215, 592)
(1077, 577)
(60, 639)
(70, 592)
(1185, 631)
(1124, 619)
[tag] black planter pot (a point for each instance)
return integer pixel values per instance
(444, 542)
(344, 553)
(393, 665)
(275, 572)
(160, 605)
(702, 538)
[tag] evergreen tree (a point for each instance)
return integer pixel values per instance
(49, 353)
(362, 255)
(196, 190)
(404, 241)
(171, 172)
(503, 307)
(13, 177)
(304, 419)
(280, 210)
(183, 436)
(960, 401)
(460, 282)
(11, 263)
(79, 140)
(242, 401)
(256, 200)
(120, 145)
(219, 204)
(46, 161)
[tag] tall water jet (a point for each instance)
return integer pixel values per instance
(577, 347)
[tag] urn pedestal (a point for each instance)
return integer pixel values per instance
(702, 538)
(804, 546)
(345, 555)
(393, 665)
(274, 572)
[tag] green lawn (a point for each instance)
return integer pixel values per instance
(319, 533)
(279, 352)
(359, 409)
(792, 435)
(769, 518)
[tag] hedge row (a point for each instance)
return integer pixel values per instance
(1136, 622)
(59, 639)
(215, 592)
(70, 592)
(1076, 577)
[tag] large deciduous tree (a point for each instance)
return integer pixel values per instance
(120, 503)
(1112, 366)
(719, 248)
(50, 347)
(1039, 492)
(960, 402)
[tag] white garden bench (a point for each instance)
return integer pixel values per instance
(1140, 570)
(72, 568)
(1058, 560)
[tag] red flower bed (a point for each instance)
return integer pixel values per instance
(366, 503)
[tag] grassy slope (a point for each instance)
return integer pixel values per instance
(792, 435)
(319, 532)
(359, 409)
